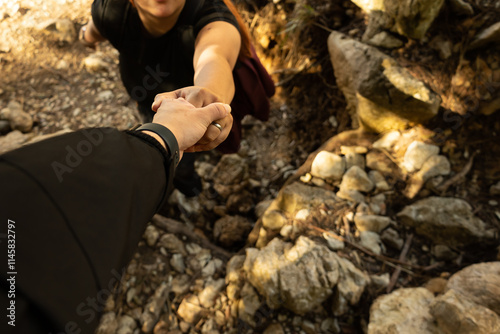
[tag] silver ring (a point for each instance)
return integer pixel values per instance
(217, 125)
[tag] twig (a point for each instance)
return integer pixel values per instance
(457, 177)
(388, 260)
(174, 226)
(402, 257)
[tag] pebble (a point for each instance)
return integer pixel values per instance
(356, 179)
(417, 154)
(391, 238)
(327, 165)
(177, 262)
(371, 241)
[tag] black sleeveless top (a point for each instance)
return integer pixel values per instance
(149, 66)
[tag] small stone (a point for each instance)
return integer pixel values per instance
(353, 149)
(351, 195)
(417, 154)
(461, 7)
(327, 165)
(210, 292)
(302, 214)
(105, 95)
(391, 238)
(385, 40)
(12, 140)
(443, 252)
(371, 241)
(306, 178)
(172, 244)
(333, 243)
(443, 46)
(274, 328)
(208, 270)
(372, 223)
(286, 231)
(231, 230)
(177, 262)
(388, 140)
(378, 180)
(4, 126)
(380, 282)
(354, 159)
(308, 327)
(189, 309)
(486, 36)
(18, 119)
(274, 220)
(151, 234)
(492, 202)
(356, 179)
(436, 285)
(95, 63)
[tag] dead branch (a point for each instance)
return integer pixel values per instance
(457, 177)
(402, 258)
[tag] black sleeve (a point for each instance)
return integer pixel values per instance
(110, 18)
(77, 205)
(212, 11)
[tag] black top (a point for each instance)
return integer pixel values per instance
(149, 66)
(79, 204)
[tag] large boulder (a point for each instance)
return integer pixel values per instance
(410, 18)
(445, 220)
(303, 275)
(381, 95)
(480, 283)
(403, 311)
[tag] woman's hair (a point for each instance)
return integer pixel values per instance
(245, 50)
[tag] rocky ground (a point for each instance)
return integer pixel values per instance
(311, 221)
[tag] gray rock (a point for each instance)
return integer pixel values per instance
(382, 95)
(372, 223)
(391, 238)
(378, 180)
(356, 179)
(211, 291)
(152, 310)
(4, 126)
(385, 40)
(402, 311)
(442, 252)
(172, 244)
(18, 119)
(454, 313)
(332, 243)
(388, 140)
(436, 165)
(371, 241)
(177, 263)
(231, 230)
(274, 220)
(189, 309)
(151, 234)
(485, 37)
(354, 159)
(283, 274)
(447, 221)
(234, 268)
(248, 304)
(327, 165)
(351, 195)
(417, 154)
(12, 140)
(480, 283)
(62, 30)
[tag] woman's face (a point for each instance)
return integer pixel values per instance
(159, 8)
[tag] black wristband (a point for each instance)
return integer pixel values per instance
(167, 136)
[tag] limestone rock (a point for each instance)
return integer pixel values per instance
(417, 154)
(403, 311)
(371, 241)
(327, 165)
(18, 119)
(480, 283)
(354, 159)
(436, 165)
(372, 223)
(95, 63)
(211, 291)
(445, 220)
(190, 309)
(385, 40)
(301, 276)
(381, 94)
(356, 179)
(231, 230)
(152, 310)
(454, 313)
(172, 244)
(12, 140)
(62, 30)
(274, 220)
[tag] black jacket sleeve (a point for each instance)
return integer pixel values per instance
(73, 210)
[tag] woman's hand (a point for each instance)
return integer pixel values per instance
(200, 97)
(189, 124)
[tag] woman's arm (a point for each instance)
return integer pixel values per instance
(217, 47)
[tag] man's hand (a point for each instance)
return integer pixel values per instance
(200, 97)
(189, 124)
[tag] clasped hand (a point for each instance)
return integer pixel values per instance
(199, 97)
